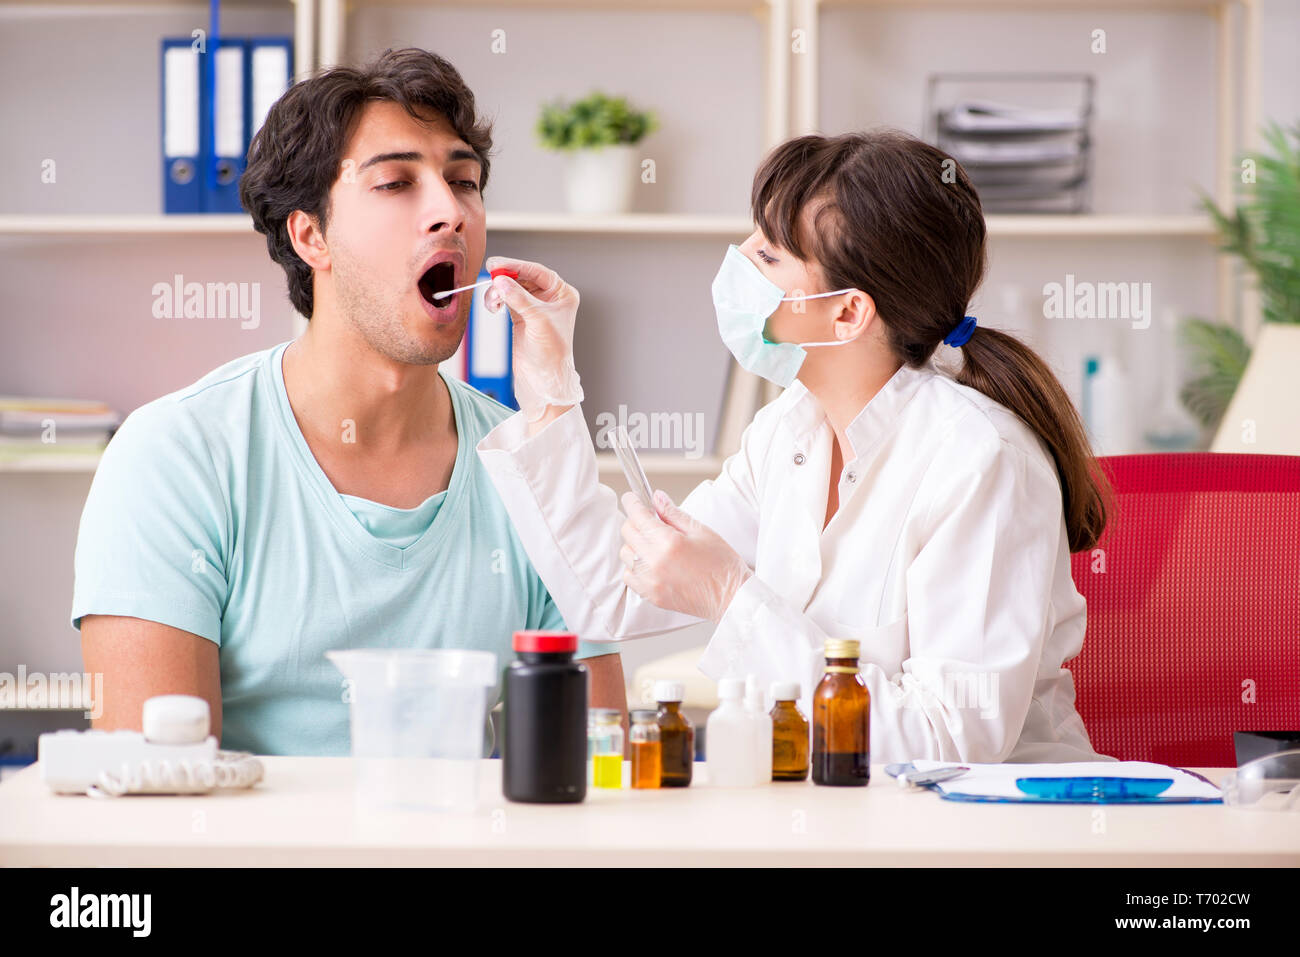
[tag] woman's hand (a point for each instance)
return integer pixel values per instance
(676, 563)
(543, 309)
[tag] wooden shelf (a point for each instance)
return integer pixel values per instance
(1104, 225)
(634, 6)
(194, 225)
(662, 463)
(643, 224)
(1191, 6)
(51, 463)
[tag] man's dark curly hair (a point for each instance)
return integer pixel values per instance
(296, 156)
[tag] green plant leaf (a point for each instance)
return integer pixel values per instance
(1221, 355)
(596, 120)
(1264, 231)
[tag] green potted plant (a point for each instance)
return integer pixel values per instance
(1253, 393)
(597, 135)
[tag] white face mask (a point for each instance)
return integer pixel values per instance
(744, 299)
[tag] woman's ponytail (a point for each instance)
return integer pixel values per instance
(1009, 372)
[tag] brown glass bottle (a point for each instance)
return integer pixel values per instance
(841, 720)
(676, 736)
(789, 734)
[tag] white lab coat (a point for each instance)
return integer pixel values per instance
(947, 560)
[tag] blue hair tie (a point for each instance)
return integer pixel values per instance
(965, 329)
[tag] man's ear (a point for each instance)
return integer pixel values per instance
(308, 240)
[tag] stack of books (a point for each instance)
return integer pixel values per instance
(34, 430)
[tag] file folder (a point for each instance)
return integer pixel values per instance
(229, 126)
(182, 151)
(489, 338)
(211, 108)
(270, 73)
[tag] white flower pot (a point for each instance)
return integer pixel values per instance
(598, 181)
(1262, 417)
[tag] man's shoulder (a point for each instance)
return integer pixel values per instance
(216, 386)
(201, 408)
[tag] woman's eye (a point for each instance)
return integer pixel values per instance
(765, 257)
(393, 186)
(468, 184)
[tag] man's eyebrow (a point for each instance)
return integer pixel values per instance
(415, 157)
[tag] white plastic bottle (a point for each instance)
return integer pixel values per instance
(729, 751)
(1109, 412)
(761, 723)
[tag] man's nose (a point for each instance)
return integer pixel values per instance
(442, 211)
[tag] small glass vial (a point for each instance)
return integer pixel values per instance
(676, 735)
(841, 720)
(789, 734)
(605, 746)
(647, 760)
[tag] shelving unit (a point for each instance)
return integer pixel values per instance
(789, 105)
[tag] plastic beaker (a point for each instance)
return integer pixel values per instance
(418, 719)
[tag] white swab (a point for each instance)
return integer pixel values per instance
(495, 272)
(452, 292)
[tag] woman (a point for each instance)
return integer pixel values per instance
(929, 517)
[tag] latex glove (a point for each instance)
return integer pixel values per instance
(543, 308)
(677, 563)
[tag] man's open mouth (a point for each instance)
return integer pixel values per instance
(438, 278)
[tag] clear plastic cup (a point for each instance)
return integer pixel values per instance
(418, 722)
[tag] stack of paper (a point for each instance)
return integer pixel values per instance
(33, 427)
(1021, 159)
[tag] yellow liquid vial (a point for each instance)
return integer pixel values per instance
(607, 770)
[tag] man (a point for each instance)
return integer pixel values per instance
(325, 493)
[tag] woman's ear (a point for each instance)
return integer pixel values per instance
(857, 311)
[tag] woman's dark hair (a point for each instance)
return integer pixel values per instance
(899, 219)
(297, 154)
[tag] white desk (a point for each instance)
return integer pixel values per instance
(303, 813)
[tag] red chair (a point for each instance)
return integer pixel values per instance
(1193, 607)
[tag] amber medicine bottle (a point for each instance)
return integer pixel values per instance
(841, 720)
(789, 734)
(676, 735)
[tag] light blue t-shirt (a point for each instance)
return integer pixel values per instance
(209, 513)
